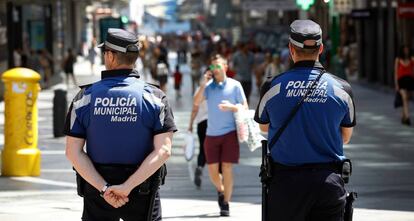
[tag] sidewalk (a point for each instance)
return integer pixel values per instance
(381, 149)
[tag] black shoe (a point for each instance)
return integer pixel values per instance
(224, 209)
(220, 199)
(406, 121)
(197, 176)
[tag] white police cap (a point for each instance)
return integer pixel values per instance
(121, 41)
(303, 30)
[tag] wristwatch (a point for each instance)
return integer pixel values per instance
(103, 190)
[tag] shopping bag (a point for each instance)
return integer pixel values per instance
(254, 137)
(189, 146)
(241, 124)
(248, 131)
(398, 100)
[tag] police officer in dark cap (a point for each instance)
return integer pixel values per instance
(127, 126)
(309, 114)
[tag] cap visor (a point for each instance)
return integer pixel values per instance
(101, 45)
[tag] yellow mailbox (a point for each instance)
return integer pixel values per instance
(20, 156)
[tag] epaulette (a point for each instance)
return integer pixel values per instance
(134, 74)
(155, 85)
(85, 86)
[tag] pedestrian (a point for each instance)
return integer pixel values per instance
(67, 64)
(178, 76)
(46, 62)
(196, 63)
(404, 80)
(339, 64)
(17, 57)
(261, 68)
(92, 55)
(127, 126)
(221, 146)
(274, 68)
(33, 61)
(243, 64)
(199, 116)
(162, 66)
(306, 182)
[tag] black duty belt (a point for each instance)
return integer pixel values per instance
(334, 167)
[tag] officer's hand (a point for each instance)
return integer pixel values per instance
(119, 190)
(115, 200)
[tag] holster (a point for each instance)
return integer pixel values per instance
(266, 170)
(346, 170)
(349, 209)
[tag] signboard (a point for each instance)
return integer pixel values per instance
(284, 5)
(37, 34)
(106, 23)
(405, 10)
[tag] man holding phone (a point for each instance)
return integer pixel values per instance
(221, 145)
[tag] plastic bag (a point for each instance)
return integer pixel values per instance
(398, 102)
(189, 146)
(248, 130)
(241, 126)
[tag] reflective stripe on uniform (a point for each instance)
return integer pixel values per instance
(344, 96)
(156, 101)
(85, 100)
(275, 90)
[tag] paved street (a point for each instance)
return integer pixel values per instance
(382, 151)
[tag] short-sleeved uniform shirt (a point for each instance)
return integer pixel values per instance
(314, 134)
(222, 122)
(119, 116)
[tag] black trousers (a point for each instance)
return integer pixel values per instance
(201, 132)
(247, 88)
(306, 195)
(95, 208)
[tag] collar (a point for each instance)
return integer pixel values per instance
(119, 73)
(308, 64)
(220, 85)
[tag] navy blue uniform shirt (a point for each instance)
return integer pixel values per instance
(314, 134)
(119, 116)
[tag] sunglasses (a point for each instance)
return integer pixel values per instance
(214, 67)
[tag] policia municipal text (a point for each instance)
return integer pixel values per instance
(123, 166)
(306, 133)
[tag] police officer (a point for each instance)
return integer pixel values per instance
(306, 182)
(127, 126)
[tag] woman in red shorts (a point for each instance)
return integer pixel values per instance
(404, 80)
